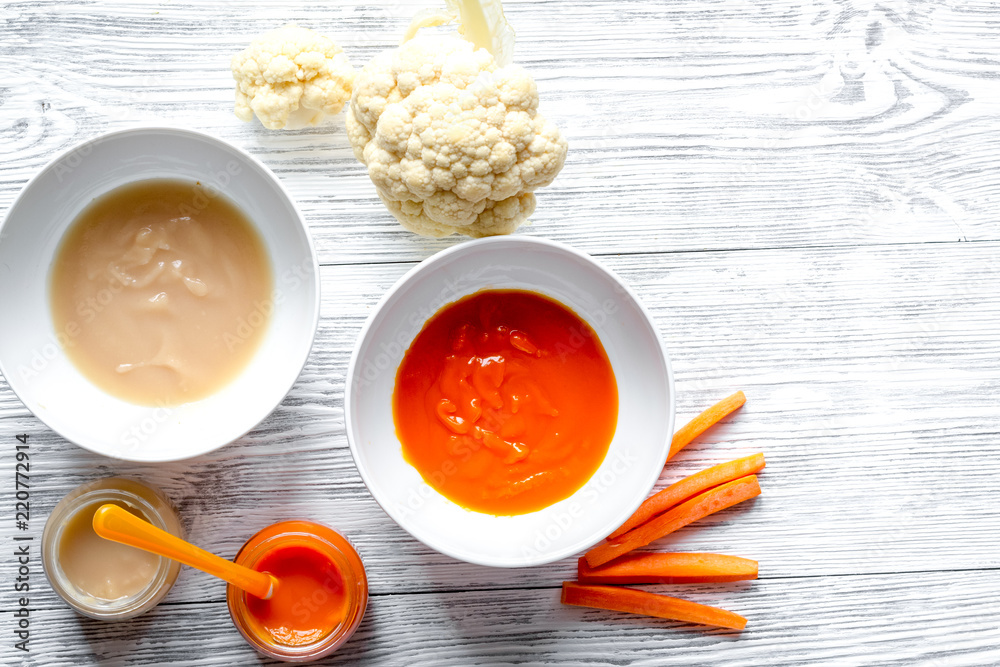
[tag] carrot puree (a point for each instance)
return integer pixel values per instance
(310, 601)
(505, 402)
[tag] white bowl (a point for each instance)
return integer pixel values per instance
(645, 388)
(31, 356)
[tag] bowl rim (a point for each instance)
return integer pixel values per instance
(242, 154)
(426, 265)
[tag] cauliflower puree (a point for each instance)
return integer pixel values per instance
(163, 289)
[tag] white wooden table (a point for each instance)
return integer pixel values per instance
(806, 194)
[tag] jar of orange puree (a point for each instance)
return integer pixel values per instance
(321, 596)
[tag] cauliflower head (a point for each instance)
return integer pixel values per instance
(452, 142)
(291, 77)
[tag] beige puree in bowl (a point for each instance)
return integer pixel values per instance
(163, 291)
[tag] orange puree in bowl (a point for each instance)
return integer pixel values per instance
(310, 601)
(505, 402)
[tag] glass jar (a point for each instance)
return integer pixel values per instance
(334, 549)
(142, 500)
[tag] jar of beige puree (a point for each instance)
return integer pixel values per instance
(100, 578)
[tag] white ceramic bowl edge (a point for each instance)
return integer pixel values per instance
(646, 406)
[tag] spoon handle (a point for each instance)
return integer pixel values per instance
(119, 525)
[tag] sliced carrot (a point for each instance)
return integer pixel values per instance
(705, 421)
(699, 507)
(648, 604)
(660, 568)
(689, 487)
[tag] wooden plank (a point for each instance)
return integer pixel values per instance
(932, 619)
(871, 376)
(815, 149)
(693, 125)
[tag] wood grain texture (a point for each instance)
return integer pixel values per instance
(934, 620)
(874, 408)
(784, 185)
(693, 125)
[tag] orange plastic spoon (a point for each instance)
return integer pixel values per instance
(119, 525)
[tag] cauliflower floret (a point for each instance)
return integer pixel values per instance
(291, 77)
(453, 143)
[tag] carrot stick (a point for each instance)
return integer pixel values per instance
(648, 604)
(690, 487)
(660, 568)
(705, 421)
(699, 507)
